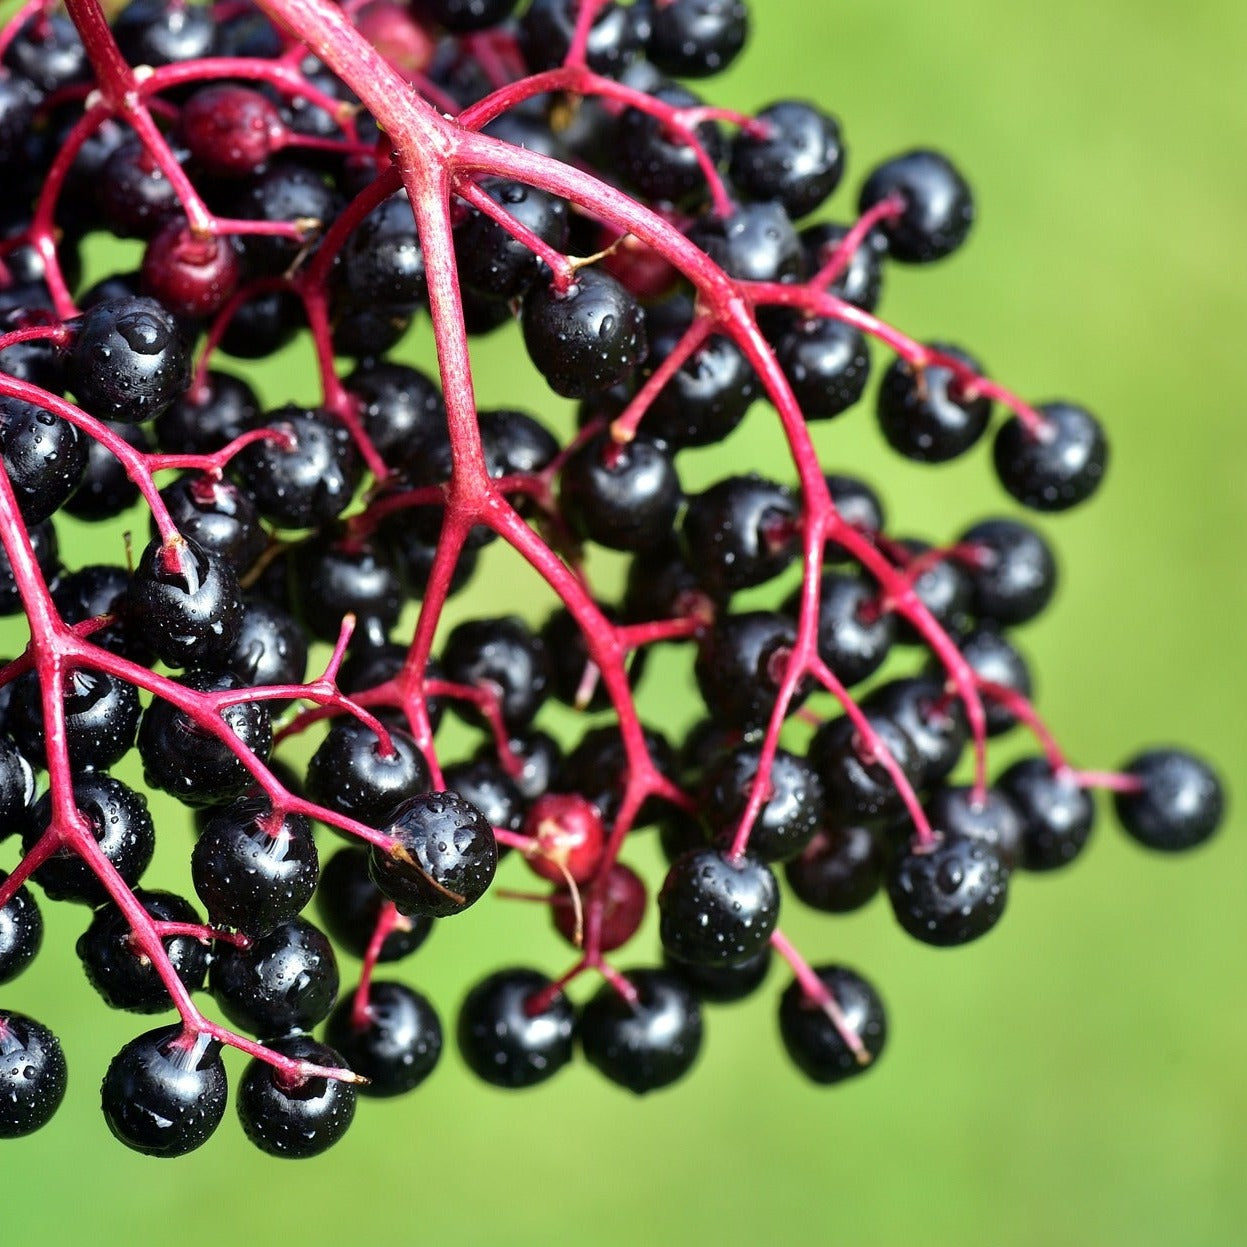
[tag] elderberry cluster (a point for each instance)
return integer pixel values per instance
(489, 166)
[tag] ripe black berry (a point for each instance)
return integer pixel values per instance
(1057, 815)
(397, 1046)
(504, 1041)
(1013, 573)
(443, 859)
(1056, 468)
(827, 366)
(925, 414)
(21, 933)
(948, 893)
(854, 635)
(957, 812)
(645, 1046)
(352, 774)
(349, 905)
(697, 38)
(218, 517)
(117, 817)
(938, 207)
(489, 259)
(122, 973)
(252, 872)
(286, 980)
(716, 911)
(798, 159)
(838, 871)
(740, 665)
(934, 721)
(299, 1120)
(660, 164)
(587, 338)
(812, 1040)
(128, 360)
(1180, 805)
(45, 457)
(504, 655)
(32, 1074)
(856, 783)
(101, 717)
(164, 1092)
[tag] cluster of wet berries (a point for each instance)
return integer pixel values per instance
(269, 203)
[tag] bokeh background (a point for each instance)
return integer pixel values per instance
(1078, 1076)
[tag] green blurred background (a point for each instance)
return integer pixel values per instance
(1076, 1078)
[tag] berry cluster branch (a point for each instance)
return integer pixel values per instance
(790, 315)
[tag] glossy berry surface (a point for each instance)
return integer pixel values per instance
(251, 871)
(33, 1074)
(812, 1040)
(646, 1046)
(1057, 815)
(444, 855)
(1013, 572)
(950, 893)
(397, 1046)
(797, 158)
(937, 208)
(715, 911)
(839, 870)
(505, 1041)
(1058, 467)
(926, 415)
(349, 906)
(122, 974)
(298, 1120)
(163, 1094)
(1180, 805)
(585, 339)
(353, 773)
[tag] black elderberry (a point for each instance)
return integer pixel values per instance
(337, 577)
(661, 164)
(184, 759)
(306, 475)
(649, 1045)
(662, 585)
(207, 417)
(755, 242)
(285, 980)
(44, 456)
(740, 532)
(48, 52)
(354, 774)
(587, 338)
(128, 360)
(856, 782)
(219, 517)
(101, 717)
(488, 787)
(545, 32)
(32, 1074)
(597, 768)
(295, 1120)
(263, 324)
(1180, 805)
(349, 905)
(381, 262)
(443, 858)
(925, 413)
(813, 1040)
(722, 985)
(938, 208)
(151, 32)
(285, 192)
(99, 589)
(1012, 570)
(462, 16)
(569, 663)
(271, 647)
(252, 870)
(183, 603)
(855, 635)
(716, 910)
(790, 814)
(827, 366)
(1055, 467)
(933, 719)
(21, 933)
(131, 192)
(857, 505)
(490, 260)
(539, 757)
(948, 893)
(697, 38)
(740, 665)
(795, 155)
(507, 1043)
(119, 969)
(624, 497)
(117, 818)
(395, 1045)
(942, 587)
(1057, 815)
(839, 870)
(994, 659)
(106, 489)
(401, 407)
(860, 282)
(991, 818)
